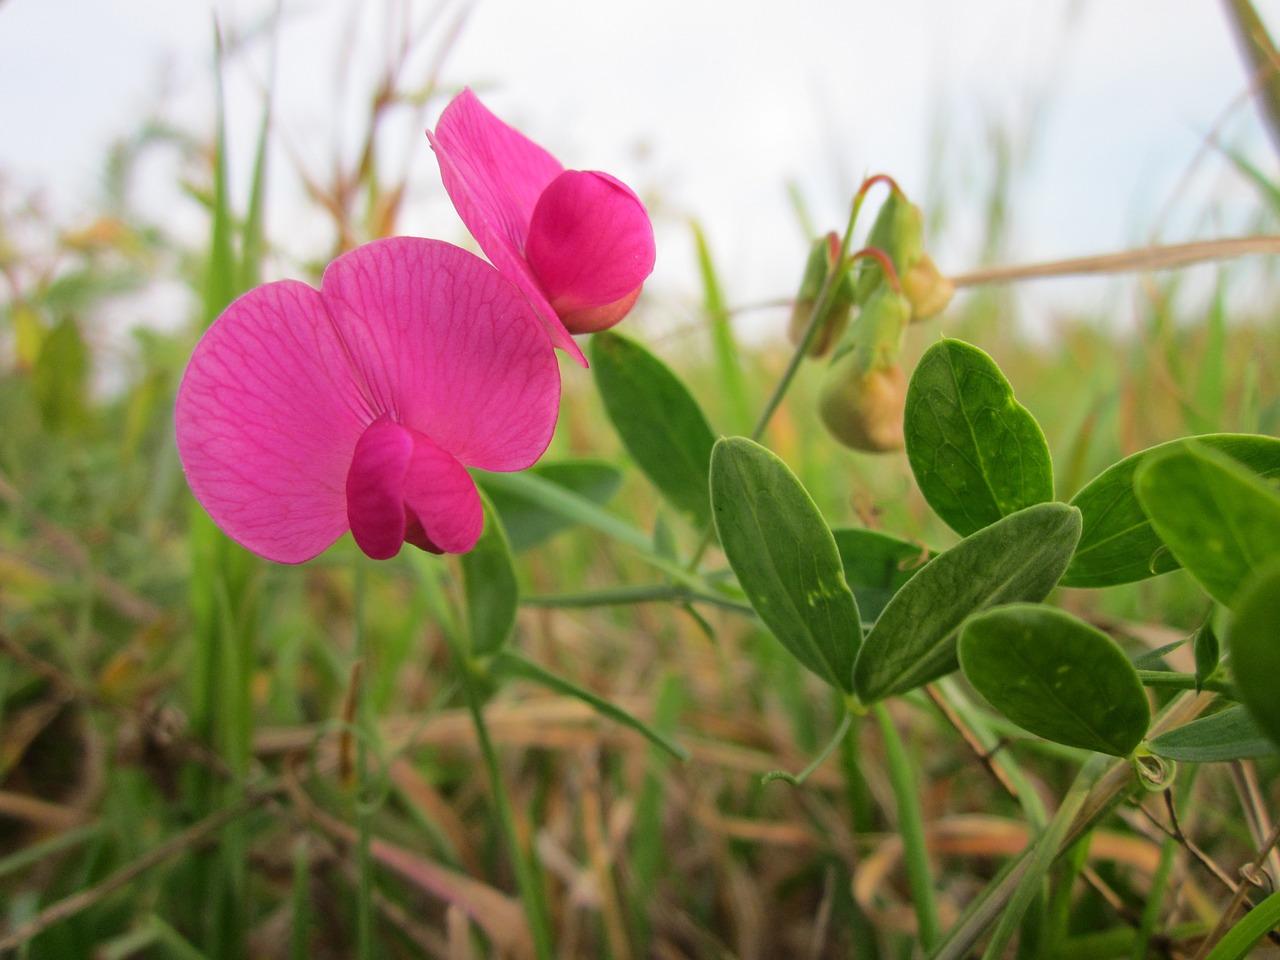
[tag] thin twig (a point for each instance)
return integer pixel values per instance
(1249, 874)
(1127, 261)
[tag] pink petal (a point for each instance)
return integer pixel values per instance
(494, 176)
(375, 488)
(267, 417)
(402, 486)
(442, 498)
(442, 344)
(591, 246)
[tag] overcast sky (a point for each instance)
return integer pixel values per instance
(714, 106)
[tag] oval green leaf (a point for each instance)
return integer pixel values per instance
(785, 558)
(1219, 519)
(1118, 544)
(489, 583)
(876, 565)
(1229, 735)
(977, 454)
(1019, 558)
(1254, 642)
(1057, 677)
(658, 420)
(527, 523)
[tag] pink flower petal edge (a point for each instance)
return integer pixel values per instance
(306, 412)
(579, 244)
(494, 175)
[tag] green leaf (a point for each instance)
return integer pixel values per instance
(876, 565)
(1019, 558)
(1229, 735)
(977, 454)
(526, 522)
(785, 558)
(1207, 651)
(1118, 544)
(659, 421)
(1057, 677)
(1245, 935)
(489, 580)
(1254, 642)
(1220, 520)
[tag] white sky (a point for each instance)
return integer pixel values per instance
(713, 106)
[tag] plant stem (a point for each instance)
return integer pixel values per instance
(798, 779)
(364, 813)
(1127, 261)
(535, 907)
(911, 827)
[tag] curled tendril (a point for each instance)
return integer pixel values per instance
(1156, 774)
(1256, 876)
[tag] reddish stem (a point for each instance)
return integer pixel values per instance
(870, 182)
(885, 264)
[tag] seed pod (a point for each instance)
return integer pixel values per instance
(863, 409)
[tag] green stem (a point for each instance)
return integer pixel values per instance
(801, 351)
(665, 592)
(509, 662)
(1164, 679)
(911, 826)
(535, 907)
(364, 812)
(1045, 850)
(807, 772)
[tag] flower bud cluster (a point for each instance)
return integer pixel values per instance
(893, 282)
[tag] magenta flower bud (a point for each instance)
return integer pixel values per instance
(590, 245)
(579, 245)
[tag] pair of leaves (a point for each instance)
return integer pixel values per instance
(787, 562)
(1219, 520)
(1120, 544)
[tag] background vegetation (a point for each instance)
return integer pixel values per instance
(177, 721)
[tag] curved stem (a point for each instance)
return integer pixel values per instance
(798, 779)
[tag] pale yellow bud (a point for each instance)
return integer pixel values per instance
(926, 288)
(863, 408)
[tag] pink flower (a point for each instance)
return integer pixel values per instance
(305, 413)
(579, 244)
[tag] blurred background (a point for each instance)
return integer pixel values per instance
(1070, 126)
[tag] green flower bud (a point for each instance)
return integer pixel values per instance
(876, 335)
(899, 232)
(823, 257)
(863, 393)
